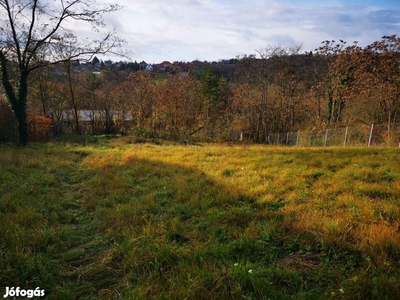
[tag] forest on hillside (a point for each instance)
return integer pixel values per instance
(277, 89)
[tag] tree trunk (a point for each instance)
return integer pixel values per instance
(19, 109)
(74, 106)
(17, 102)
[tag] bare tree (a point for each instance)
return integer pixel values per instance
(32, 27)
(273, 78)
(336, 79)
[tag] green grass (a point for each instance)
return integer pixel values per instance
(115, 220)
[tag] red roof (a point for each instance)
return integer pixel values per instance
(166, 64)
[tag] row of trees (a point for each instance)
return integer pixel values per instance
(280, 90)
(276, 90)
(35, 34)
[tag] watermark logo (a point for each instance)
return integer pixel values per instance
(18, 292)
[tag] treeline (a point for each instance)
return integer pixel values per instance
(275, 90)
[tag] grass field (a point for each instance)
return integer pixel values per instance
(114, 220)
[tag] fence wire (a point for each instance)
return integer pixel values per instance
(363, 135)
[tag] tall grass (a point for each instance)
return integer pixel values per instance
(115, 220)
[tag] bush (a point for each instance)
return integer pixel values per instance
(39, 128)
(8, 124)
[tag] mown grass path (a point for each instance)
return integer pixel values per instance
(115, 220)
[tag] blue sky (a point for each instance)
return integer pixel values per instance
(158, 30)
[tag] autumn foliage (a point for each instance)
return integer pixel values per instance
(39, 128)
(276, 90)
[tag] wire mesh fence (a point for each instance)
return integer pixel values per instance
(363, 135)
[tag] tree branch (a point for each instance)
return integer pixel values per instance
(13, 30)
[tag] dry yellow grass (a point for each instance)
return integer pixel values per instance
(213, 221)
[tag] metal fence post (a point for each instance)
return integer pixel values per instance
(297, 139)
(370, 135)
(326, 137)
(345, 136)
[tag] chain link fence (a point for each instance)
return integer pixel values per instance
(363, 135)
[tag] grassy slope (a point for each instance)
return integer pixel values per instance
(120, 221)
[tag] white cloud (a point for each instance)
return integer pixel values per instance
(214, 29)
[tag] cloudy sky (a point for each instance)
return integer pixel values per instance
(185, 30)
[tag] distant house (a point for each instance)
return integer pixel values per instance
(86, 115)
(96, 121)
(149, 68)
(184, 66)
(143, 65)
(164, 66)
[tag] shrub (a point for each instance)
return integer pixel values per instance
(39, 128)
(8, 124)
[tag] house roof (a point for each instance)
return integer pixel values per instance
(86, 115)
(166, 64)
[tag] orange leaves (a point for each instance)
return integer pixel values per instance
(39, 128)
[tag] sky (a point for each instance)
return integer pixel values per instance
(186, 30)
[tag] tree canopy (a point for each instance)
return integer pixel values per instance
(36, 33)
